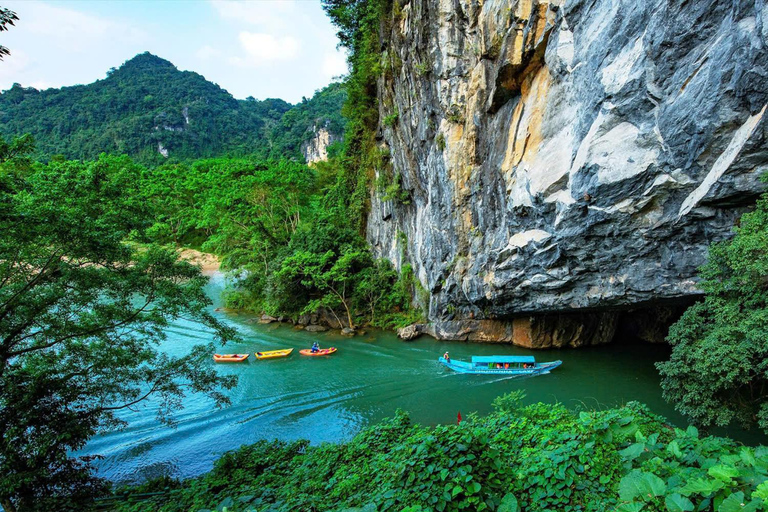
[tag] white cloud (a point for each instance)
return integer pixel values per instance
(335, 64)
(207, 52)
(262, 48)
(272, 14)
(13, 66)
(78, 31)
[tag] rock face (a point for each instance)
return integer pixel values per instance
(565, 159)
(316, 149)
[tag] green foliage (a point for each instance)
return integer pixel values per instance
(395, 191)
(687, 472)
(717, 371)
(359, 23)
(423, 68)
(7, 17)
(81, 315)
(294, 250)
(391, 119)
(147, 103)
(440, 141)
(299, 124)
(455, 114)
(534, 458)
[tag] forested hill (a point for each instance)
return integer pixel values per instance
(152, 111)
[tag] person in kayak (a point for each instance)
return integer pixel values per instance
(447, 357)
(315, 347)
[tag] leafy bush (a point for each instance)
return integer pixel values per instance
(716, 374)
(391, 119)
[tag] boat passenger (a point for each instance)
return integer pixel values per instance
(506, 366)
(315, 347)
(447, 357)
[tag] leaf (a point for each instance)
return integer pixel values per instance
(635, 506)
(508, 504)
(701, 486)
(723, 472)
(656, 485)
(747, 457)
(456, 491)
(632, 452)
(674, 449)
(761, 492)
(677, 503)
(736, 503)
(692, 432)
(638, 484)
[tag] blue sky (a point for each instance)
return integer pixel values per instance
(261, 48)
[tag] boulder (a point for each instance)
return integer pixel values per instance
(408, 333)
(267, 319)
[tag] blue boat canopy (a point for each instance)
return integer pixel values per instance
(503, 359)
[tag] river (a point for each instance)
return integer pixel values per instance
(332, 398)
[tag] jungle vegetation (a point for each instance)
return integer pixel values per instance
(89, 278)
(147, 104)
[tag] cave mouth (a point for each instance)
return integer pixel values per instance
(649, 323)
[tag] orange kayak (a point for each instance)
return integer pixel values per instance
(321, 352)
(229, 358)
(270, 354)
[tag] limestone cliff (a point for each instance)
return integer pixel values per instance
(316, 148)
(565, 160)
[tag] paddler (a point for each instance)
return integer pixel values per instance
(315, 347)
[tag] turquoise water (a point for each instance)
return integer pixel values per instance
(332, 398)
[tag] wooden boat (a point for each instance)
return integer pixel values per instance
(271, 354)
(229, 358)
(321, 352)
(501, 365)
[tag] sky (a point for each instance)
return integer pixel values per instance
(261, 48)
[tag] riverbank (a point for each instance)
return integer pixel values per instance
(539, 457)
(209, 263)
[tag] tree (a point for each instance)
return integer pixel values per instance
(718, 371)
(81, 316)
(7, 17)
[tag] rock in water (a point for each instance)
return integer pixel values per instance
(408, 333)
(567, 156)
(267, 319)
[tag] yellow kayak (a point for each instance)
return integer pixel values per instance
(271, 354)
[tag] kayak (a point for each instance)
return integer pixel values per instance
(229, 358)
(321, 352)
(271, 354)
